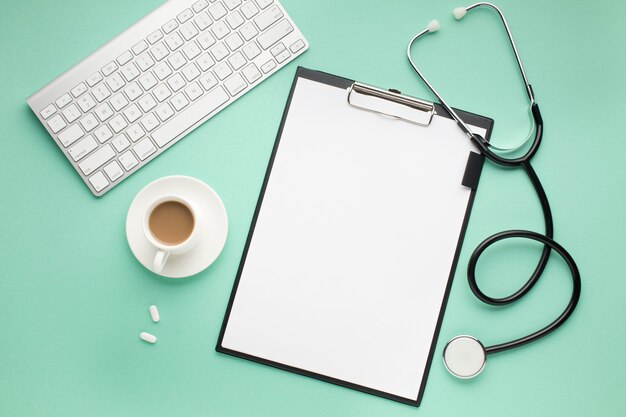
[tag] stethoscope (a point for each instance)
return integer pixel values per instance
(465, 356)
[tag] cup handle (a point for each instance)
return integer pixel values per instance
(159, 260)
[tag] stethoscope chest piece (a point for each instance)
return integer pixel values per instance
(464, 357)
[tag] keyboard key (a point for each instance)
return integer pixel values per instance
(115, 82)
(193, 114)
(103, 133)
(89, 122)
(147, 102)
(234, 20)
(71, 135)
(252, 73)
(118, 123)
(135, 133)
(202, 20)
(222, 70)
(94, 79)
(124, 58)
(164, 112)
(268, 17)
(118, 101)
(231, 4)
(109, 68)
(174, 41)
(217, 11)
(159, 51)
(264, 3)
(185, 15)
(170, 26)
(194, 91)
(140, 47)
(219, 51)
(280, 52)
(251, 50)
(56, 123)
(162, 70)
(220, 29)
(199, 5)
(98, 181)
(191, 50)
(144, 149)
(208, 81)
(97, 159)
(101, 92)
(104, 112)
(120, 142)
(234, 41)
(249, 9)
(205, 61)
(296, 46)
(248, 31)
(191, 72)
(145, 62)
(48, 111)
(155, 36)
(132, 113)
(235, 84)
(275, 33)
(86, 102)
(78, 90)
(177, 60)
(63, 101)
(82, 148)
(71, 113)
(148, 81)
(237, 60)
(176, 82)
(188, 31)
(133, 91)
(130, 72)
(128, 160)
(179, 101)
(205, 40)
(162, 92)
(113, 171)
(268, 66)
(150, 122)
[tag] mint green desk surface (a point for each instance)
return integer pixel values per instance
(73, 299)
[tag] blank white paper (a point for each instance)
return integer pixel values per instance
(353, 246)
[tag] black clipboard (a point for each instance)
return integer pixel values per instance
(470, 178)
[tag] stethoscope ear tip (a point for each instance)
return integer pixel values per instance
(459, 12)
(464, 357)
(433, 26)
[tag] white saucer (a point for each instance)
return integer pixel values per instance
(213, 224)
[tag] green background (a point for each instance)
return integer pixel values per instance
(73, 299)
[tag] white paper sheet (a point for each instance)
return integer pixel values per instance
(354, 243)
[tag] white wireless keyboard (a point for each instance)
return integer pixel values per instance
(144, 90)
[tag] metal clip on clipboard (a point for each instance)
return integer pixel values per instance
(390, 103)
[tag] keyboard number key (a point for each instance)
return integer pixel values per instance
(86, 103)
(217, 11)
(202, 20)
(71, 113)
(98, 181)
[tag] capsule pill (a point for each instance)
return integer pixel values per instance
(150, 338)
(154, 313)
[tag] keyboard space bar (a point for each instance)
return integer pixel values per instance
(190, 116)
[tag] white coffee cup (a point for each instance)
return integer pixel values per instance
(164, 250)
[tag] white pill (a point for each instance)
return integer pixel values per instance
(154, 312)
(150, 338)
